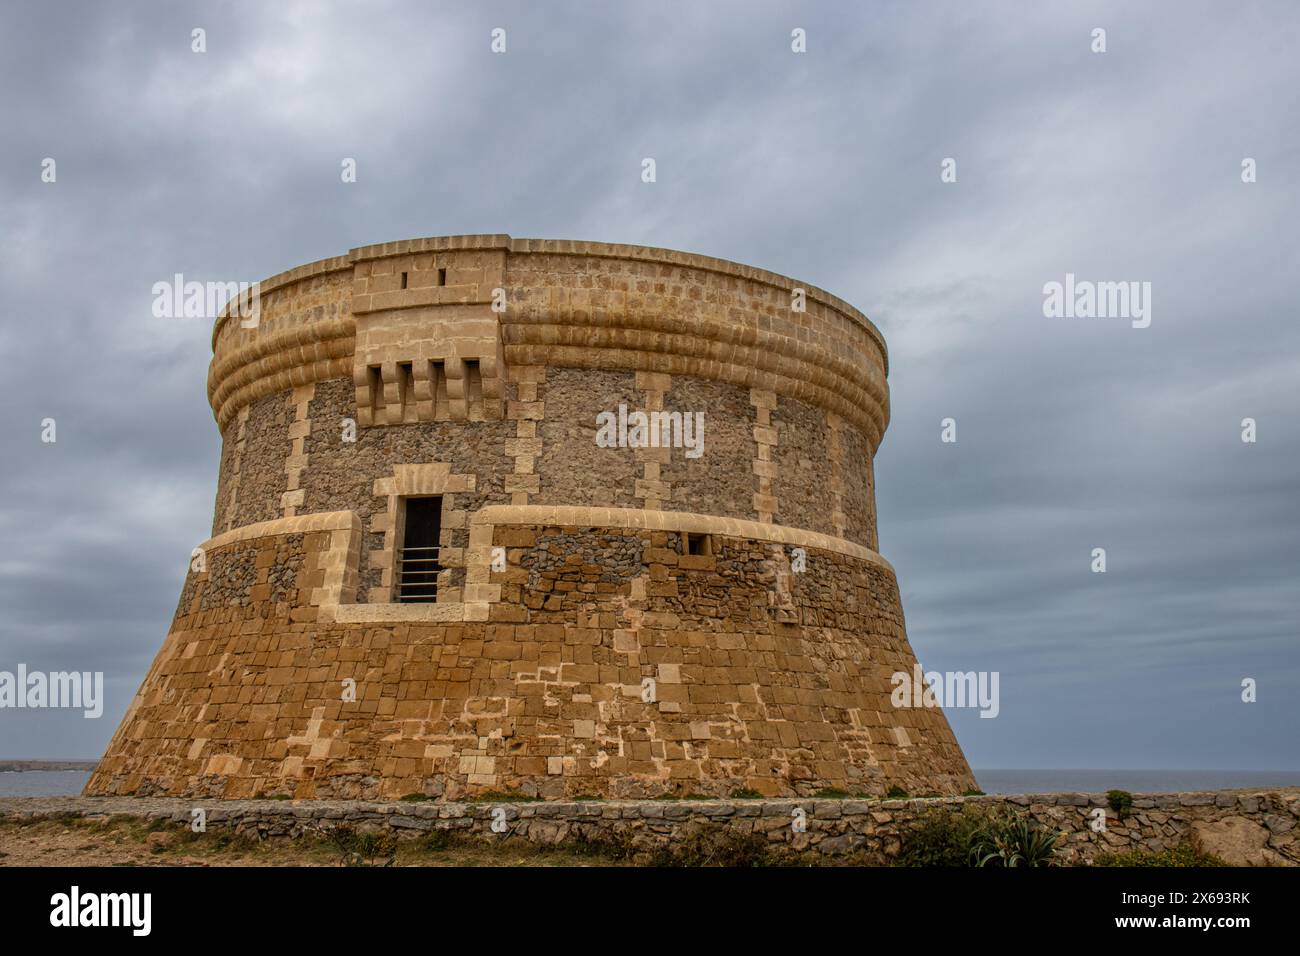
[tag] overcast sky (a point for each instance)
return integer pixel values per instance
(1072, 434)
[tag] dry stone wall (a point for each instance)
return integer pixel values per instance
(1243, 828)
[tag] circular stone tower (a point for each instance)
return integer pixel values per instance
(540, 517)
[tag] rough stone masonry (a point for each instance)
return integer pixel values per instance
(616, 622)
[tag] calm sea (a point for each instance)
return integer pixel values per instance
(42, 783)
(1134, 781)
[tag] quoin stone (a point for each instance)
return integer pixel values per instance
(466, 593)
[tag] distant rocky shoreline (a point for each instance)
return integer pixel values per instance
(20, 766)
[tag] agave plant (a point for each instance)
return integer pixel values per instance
(1016, 842)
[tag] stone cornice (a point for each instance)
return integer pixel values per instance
(679, 521)
(298, 524)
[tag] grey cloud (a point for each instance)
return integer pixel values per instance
(1072, 434)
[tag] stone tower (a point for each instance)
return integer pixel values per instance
(447, 560)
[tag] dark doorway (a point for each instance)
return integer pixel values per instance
(417, 559)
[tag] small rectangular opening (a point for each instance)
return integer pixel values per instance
(473, 381)
(403, 280)
(442, 277)
(438, 388)
(406, 386)
(696, 543)
(376, 382)
(417, 559)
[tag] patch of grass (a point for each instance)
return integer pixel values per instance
(831, 793)
(721, 848)
(363, 849)
(66, 817)
(686, 796)
(435, 841)
(186, 836)
(584, 797)
(974, 793)
(616, 848)
(503, 796)
(895, 792)
(415, 797)
(744, 793)
(1186, 853)
(228, 841)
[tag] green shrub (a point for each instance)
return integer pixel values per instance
(895, 792)
(977, 835)
(1121, 801)
(831, 793)
(945, 836)
(1019, 841)
(744, 793)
